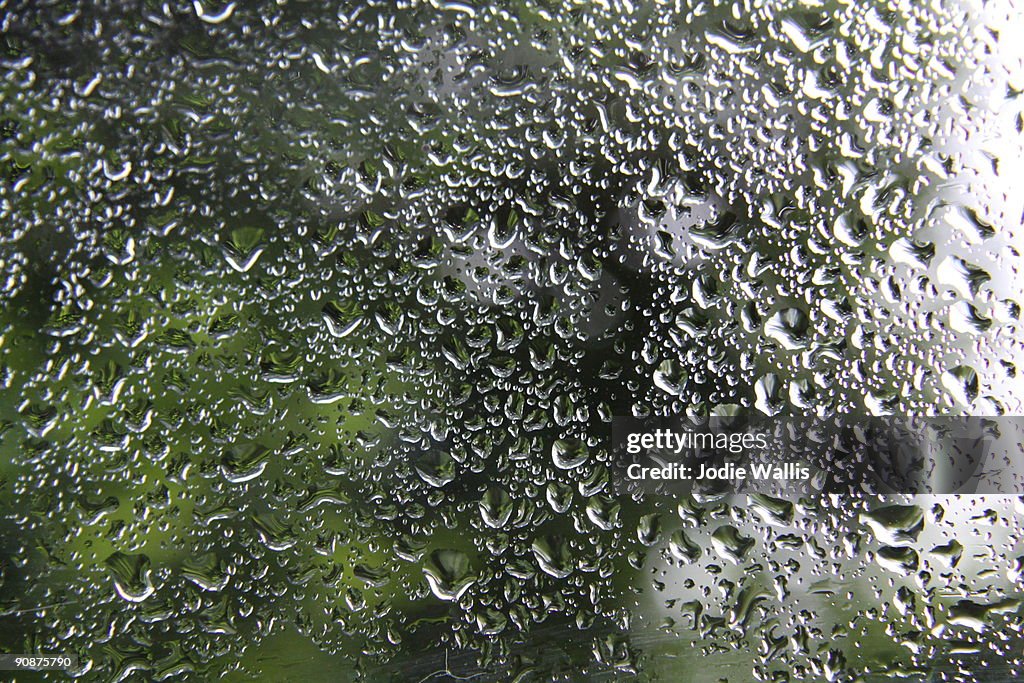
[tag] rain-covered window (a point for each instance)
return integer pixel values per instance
(325, 329)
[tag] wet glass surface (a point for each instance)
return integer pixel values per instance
(315, 319)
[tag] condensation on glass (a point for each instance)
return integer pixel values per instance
(313, 323)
